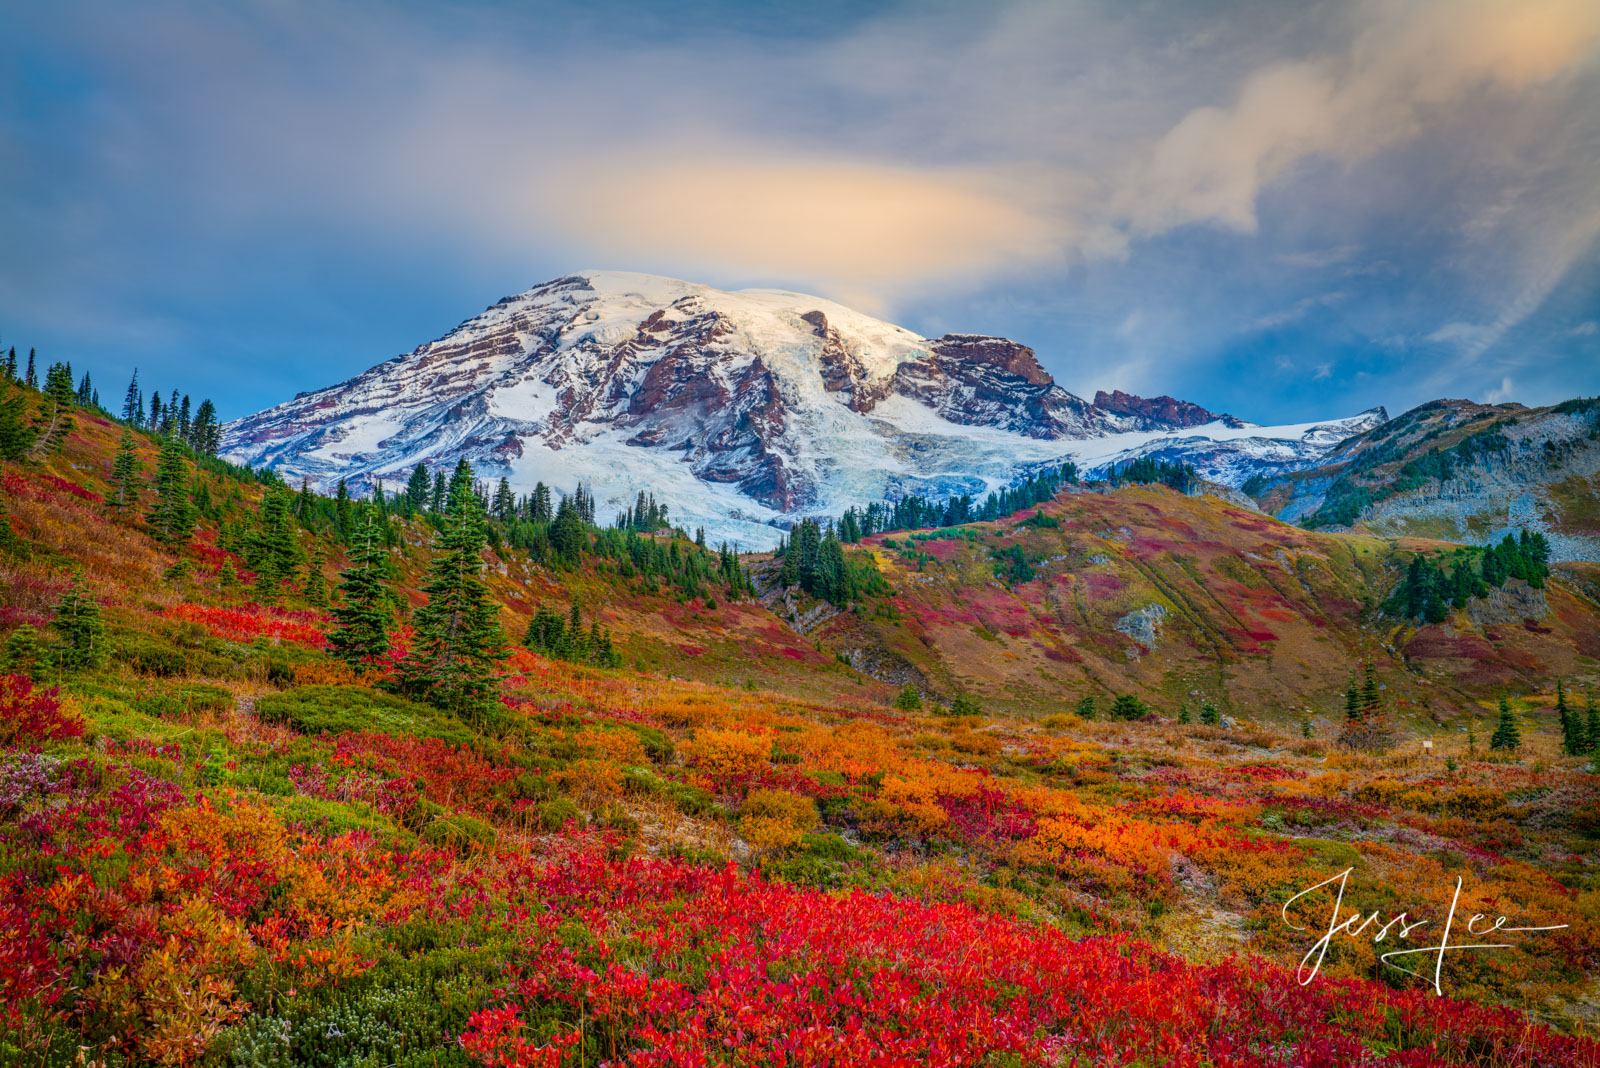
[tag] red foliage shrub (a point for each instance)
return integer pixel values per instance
(66, 486)
(254, 621)
(30, 717)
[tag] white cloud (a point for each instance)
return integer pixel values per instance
(1504, 392)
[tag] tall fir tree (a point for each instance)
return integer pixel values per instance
(419, 488)
(1574, 740)
(1591, 723)
(1507, 735)
(11, 365)
(133, 402)
(505, 502)
(171, 517)
(567, 532)
(1371, 697)
(343, 517)
(58, 384)
(458, 639)
(363, 616)
(32, 378)
(270, 548)
(17, 432)
(126, 474)
(205, 432)
(315, 587)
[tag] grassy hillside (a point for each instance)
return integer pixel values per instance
(220, 846)
(1185, 599)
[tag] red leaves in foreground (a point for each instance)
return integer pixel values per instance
(28, 717)
(681, 967)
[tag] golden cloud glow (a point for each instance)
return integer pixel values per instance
(861, 229)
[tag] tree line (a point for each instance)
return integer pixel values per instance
(914, 512)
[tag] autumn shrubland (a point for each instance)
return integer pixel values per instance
(222, 844)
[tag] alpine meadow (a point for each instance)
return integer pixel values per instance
(1103, 570)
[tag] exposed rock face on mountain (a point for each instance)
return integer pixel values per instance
(744, 409)
(1459, 471)
(1159, 412)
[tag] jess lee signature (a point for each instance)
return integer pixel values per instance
(1357, 923)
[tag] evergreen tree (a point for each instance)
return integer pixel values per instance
(419, 488)
(458, 639)
(32, 379)
(908, 700)
(205, 432)
(1087, 709)
(58, 384)
(78, 621)
(1506, 735)
(342, 518)
(363, 615)
(126, 474)
(539, 510)
(567, 532)
(11, 365)
(1209, 714)
(505, 502)
(315, 587)
(1127, 706)
(184, 426)
(8, 537)
(17, 432)
(1183, 714)
(21, 655)
(546, 633)
(86, 392)
(1371, 697)
(133, 402)
(1352, 701)
(270, 548)
(440, 489)
(171, 517)
(1305, 726)
(1573, 736)
(1591, 724)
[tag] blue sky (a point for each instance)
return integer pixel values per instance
(1285, 214)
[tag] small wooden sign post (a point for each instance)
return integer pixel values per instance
(1427, 747)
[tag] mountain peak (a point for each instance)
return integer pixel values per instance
(749, 407)
(1168, 410)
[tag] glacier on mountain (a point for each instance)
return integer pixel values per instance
(745, 410)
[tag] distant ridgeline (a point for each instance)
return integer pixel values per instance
(1347, 498)
(1429, 592)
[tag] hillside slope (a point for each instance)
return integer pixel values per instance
(1187, 598)
(220, 847)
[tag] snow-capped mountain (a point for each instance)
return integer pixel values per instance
(743, 409)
